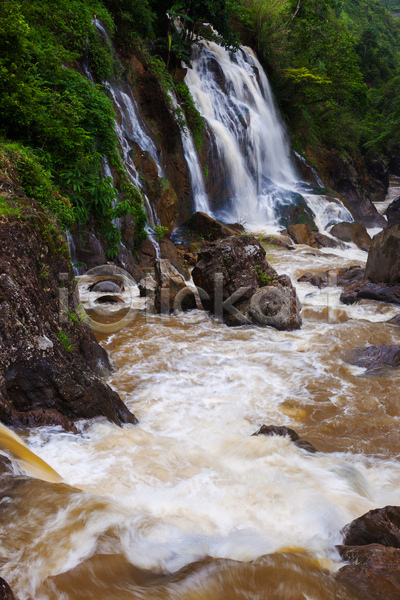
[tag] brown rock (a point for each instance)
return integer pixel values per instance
(383, 264)
(147, 254)
(237, 284)
(207, 228)
(286, 431)
(149, 167)
(166, 204)
(89, 250)
(352, 232)
(324, 241)
(373, 572)
(379, 526)
(302, 234)
(169, 251)
(171, 292)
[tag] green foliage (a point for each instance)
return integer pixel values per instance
(263, 279)
(194, 119)
(8, 209)
(65, 340)
(160, 232)
(63, 124)
(132, 18)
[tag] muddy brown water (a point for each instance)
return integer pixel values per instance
(188, 505)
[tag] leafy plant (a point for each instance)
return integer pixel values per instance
(160, 232)
(263, 279)
(65, 341)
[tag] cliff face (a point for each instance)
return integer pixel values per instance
(50, 362)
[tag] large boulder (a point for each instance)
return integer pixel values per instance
(237, 284)
(373, 572)
(171, 292)
(383, 264)
(50, 362)
(379, 526)
(365, 289)
(393, 212)
(302, 234)
(203, 227)
(352, 232)
(376, 358)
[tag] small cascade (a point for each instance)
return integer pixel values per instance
(327, 212)
(310, 168)
(12, 445)
(72, 253)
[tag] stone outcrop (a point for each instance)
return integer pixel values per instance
(393, 212)
(366, 289)
(286, 431)
(171, 292)
(352, 232)
(371, 544)
(202, 227)
(376, 358)
(237, 284)
(50, 362)
(302, 234)
(383, 264)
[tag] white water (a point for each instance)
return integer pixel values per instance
(233, 94)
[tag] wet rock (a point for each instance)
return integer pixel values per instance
(376, 358)
(147, 287)
(286, 431)
(239, 286)
(5, 591)
(124, 260)
(302, 234)
(352, 232)
(206, 228)
(283, 241)
(395, 320)
(59, 383)
(89, 250)
(366, 289)
(108, 286)
(324, 241)
(373, 572)
(171, 292)
(383, 264)
(147, 254)
(296, 213)
(378, 173)
(334, 277)
(169, 252)
(319, 281)
(379, 526)
(393, 212)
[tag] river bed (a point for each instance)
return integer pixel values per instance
(188, 504)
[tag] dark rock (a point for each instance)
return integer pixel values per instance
(352, 232)
(376, 358)
(373, 572)
(296, 213)
(110, 300)
(378, 173)
(237, 227)
(235, 272)
(394, 161)
(286, 431)
(324, 241)
(5, 591)
(393, 212)
(383, 264)
(371, 291)
(395, 320)
(319, 281)
(52, 382)
(124, 260)
(379, 526)
(89, 250)
(147, 254)
(108, 286)
(171, 292)
(334, 277)
(205, 227)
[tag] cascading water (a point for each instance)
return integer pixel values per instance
(232, 92)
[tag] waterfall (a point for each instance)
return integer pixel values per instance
(72, 253)
(251, 153)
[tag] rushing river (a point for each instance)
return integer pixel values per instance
(187, 505)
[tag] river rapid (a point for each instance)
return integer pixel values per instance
(187, 505)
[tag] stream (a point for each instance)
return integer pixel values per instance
(187, 504)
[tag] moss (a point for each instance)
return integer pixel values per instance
(194, 119)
